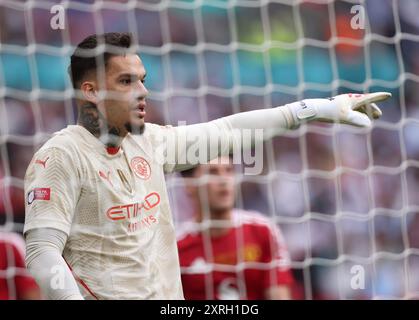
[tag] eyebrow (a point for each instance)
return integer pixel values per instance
(131, 75)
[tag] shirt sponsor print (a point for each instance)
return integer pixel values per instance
(139, 211)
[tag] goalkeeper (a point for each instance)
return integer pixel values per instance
(98, 223)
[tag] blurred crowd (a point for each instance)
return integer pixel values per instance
(341, 196)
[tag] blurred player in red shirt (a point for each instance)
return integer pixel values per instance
(15, 282)
(242, 254)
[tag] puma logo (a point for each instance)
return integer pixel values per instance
(106, 177)
(42, 163)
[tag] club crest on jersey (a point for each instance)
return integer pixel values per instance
(141, 168)
(39, 194)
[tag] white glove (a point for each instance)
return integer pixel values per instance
(351, 108)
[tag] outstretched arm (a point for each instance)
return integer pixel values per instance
(199, 143)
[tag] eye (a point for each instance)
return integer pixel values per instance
(125, 81)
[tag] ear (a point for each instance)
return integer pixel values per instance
(90, 91)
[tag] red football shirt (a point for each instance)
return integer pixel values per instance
(14, 279)
(240, 264)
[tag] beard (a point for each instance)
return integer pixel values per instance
(135, 130)
(114, 134)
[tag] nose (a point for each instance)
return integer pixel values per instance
(223, 180)
(141, 90)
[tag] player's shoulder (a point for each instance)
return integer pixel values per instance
(259, 224)
(153, 128)
(187, 234)
(251, 218)
(154, 134)
(64, 140)
(61, 151)
(156, 131)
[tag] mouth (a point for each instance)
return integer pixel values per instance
(140, 110)
(224, 193)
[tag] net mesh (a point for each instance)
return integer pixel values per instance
(342, 196)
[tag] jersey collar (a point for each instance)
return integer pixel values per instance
(94, 142)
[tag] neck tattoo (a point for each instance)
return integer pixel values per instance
(91, 119)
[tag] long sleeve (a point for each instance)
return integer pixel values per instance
(190, 145)
(44, 261)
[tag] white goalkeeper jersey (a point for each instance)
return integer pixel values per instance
(115, 210)
(114, 207)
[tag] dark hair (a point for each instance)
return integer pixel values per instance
(188, 173)
(87, 58)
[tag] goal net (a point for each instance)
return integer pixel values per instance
(346, 199)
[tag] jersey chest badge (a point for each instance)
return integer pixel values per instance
(141, 168)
